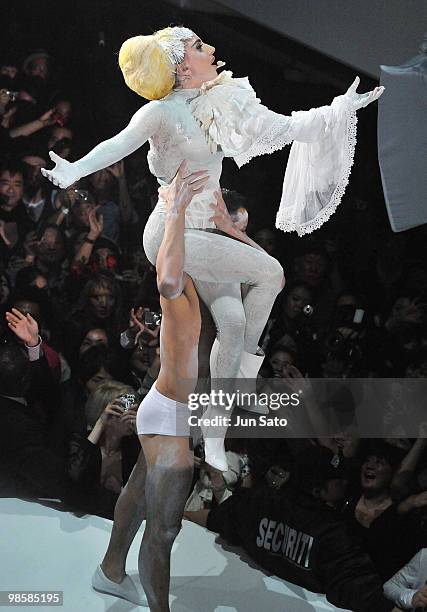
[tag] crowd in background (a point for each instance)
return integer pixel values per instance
(355, 305)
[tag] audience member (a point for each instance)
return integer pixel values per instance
(374, 517)
(105, 456)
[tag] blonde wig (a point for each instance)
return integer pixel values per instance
(148, 63)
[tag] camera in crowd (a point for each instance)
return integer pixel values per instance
(345, 343)
(152, 319)
(127, 400)
(13, 95)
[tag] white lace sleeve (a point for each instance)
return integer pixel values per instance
(319, 163)
(144, 123)
(317, 171)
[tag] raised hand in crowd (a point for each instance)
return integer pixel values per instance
(296, 381)
(3, 235)
(117, 170)
(65, 200)
(23, 326)
(47, 117)
(137, 327)
(4, 100)
(127, 210)
(27, 129)
(30, 245)
(413, 502)
(96, 224)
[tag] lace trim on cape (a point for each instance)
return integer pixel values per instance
(330, 208)
(274, 138)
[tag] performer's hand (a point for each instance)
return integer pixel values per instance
(23, 326)
(63, 174)
(183, 188)
(221, 218)
(361, 100)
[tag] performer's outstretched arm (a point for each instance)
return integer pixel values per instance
(144, 123)
(170, 259)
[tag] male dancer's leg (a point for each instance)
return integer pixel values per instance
(167, 486)
(129, 513)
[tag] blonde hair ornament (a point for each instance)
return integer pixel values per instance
(172, 41)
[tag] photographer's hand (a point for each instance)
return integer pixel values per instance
(112, 410)
(128, 420)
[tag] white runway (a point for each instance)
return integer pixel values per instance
(43, 549)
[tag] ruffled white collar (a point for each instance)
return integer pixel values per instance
(218, 107)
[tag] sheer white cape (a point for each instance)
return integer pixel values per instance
(321, 156)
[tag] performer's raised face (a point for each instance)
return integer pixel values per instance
(199, 64)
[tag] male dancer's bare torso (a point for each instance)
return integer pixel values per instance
(179, 338)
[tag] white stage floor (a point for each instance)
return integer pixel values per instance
(47, 550)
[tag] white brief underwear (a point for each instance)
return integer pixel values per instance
(163, 416)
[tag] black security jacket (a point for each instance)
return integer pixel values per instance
(303, 541)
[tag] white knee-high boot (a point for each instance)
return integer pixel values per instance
(214, 446)
(249, 367)
(214, 435)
